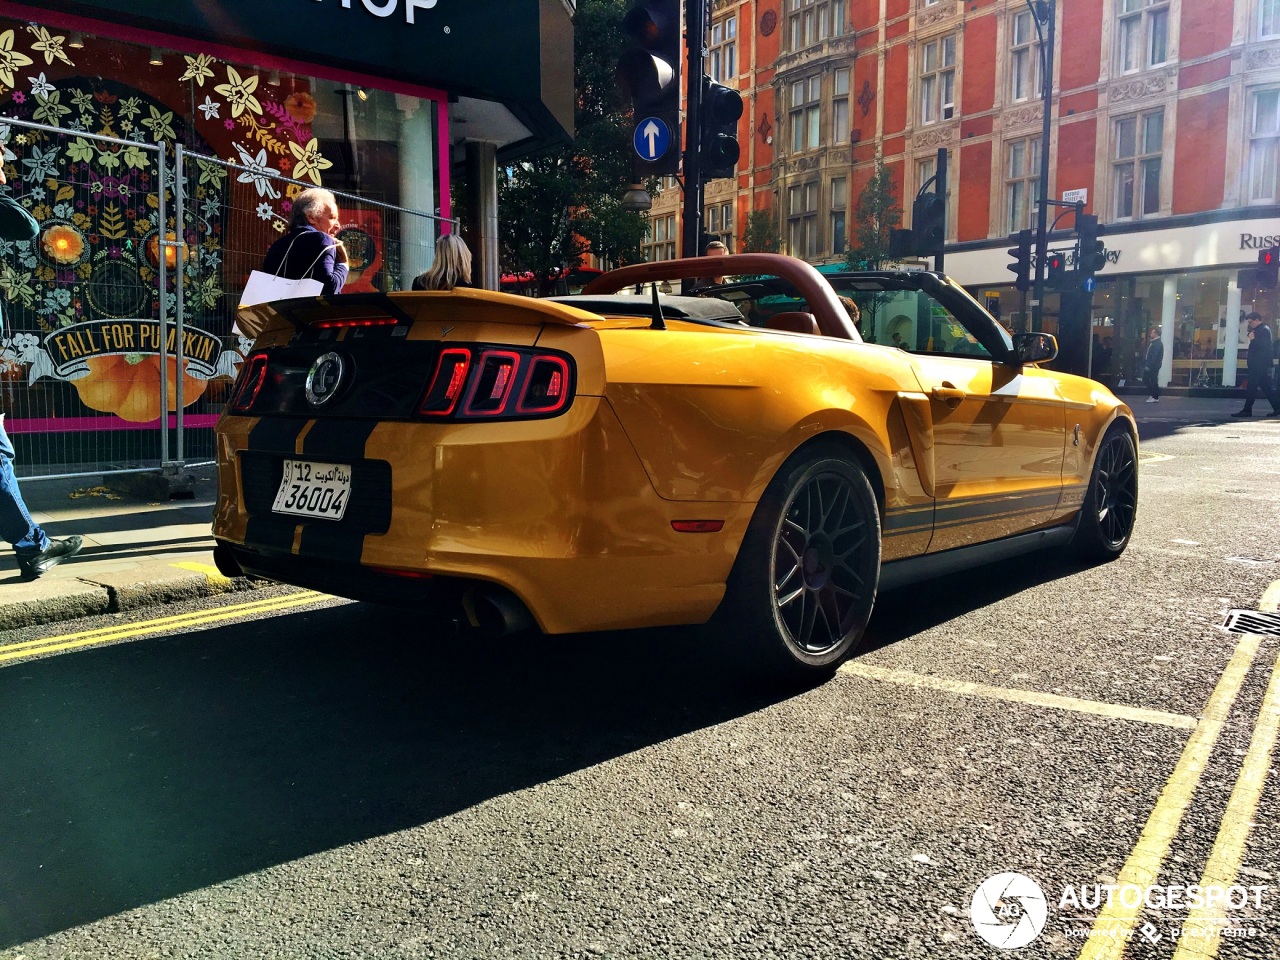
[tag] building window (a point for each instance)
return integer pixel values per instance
(724, 49)
(1268, 19)
(1022, 183)
(1143, 36)
(1139, 143)
(812, 21)
(840, 108)
(802, 220)
(1264, 145)
(839, 208)
(718, 219)
(806, 134)
(938, 80)
(1024, 62)
(660, 238)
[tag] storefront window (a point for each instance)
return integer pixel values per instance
(82, 300)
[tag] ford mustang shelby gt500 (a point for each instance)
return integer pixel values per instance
(629, 459)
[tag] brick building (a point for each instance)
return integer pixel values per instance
(1165, 118)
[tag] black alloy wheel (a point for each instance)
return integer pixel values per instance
(1111, 504)
(806, 577)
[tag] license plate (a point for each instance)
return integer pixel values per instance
(311, 489)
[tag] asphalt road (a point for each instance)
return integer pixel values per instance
(315, 782)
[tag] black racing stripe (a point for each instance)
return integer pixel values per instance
(983, 508)
(343, 441)
(1009, 515)
(908, 519)
(276, 436)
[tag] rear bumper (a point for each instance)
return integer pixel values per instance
(559, 512)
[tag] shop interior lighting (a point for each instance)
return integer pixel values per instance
(273, 78)
(76, 41)
(361, 94)
(157, 57)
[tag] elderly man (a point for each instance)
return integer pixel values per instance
(1260, 367)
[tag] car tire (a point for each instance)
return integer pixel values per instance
(1111, 503)
(804, 582)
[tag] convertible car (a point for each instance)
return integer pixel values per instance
(633, 457)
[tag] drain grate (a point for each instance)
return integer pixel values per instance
(1253, 621)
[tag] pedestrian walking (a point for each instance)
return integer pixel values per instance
(1259, 363)
(451, 267)
(310, 249)
(1151, 365)
(36, 551)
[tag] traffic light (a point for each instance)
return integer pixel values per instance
(718, 146)
(1268, 267)
(929, 223)
(649, 73)
(1056, 270)
(1093, 252)
(1021, 265)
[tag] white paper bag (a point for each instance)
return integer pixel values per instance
(265, 287)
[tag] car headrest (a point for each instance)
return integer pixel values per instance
(797, 321)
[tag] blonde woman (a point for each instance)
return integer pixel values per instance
(452, 266)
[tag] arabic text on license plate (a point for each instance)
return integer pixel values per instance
(310, 489)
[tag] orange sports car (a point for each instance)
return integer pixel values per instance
(771, 450)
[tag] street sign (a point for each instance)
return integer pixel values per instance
(1076, 196)
(652, 139)
(1089, 283)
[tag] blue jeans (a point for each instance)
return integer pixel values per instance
(16, 524)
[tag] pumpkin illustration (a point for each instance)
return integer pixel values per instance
(128, 385)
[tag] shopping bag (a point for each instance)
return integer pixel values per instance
(265, 287)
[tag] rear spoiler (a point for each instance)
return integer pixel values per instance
(405, 307)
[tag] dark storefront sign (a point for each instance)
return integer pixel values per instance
(516, 52)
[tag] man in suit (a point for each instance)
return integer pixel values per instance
(36, 551)
(1260, 367)
(311, 250)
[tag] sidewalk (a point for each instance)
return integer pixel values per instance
(139, 552)
(136, 552)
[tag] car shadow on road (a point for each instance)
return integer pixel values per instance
(136, 772)
(913, 609)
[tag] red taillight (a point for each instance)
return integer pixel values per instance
(251, 380)
(547, 388)
(363, 322)
(493, 383)
(480, 382)
(446, 383)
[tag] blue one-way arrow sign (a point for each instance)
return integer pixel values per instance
(652, 139)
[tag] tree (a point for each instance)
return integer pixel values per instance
(554, 207)
(763, 235)
(877, 213)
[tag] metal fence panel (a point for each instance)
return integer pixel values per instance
(90, 348)
(79, 357)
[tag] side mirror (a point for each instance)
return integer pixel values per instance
(1034, 348)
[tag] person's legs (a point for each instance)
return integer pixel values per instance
(1152, 380)
(36, 552)
(1250, 394)
(16, 524)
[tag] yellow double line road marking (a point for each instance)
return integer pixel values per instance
(87, 638)
(1115, 923)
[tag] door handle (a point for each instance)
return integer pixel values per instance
(948, 393)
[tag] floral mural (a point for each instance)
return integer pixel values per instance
(82, 300)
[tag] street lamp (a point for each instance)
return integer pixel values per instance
(637, 199)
